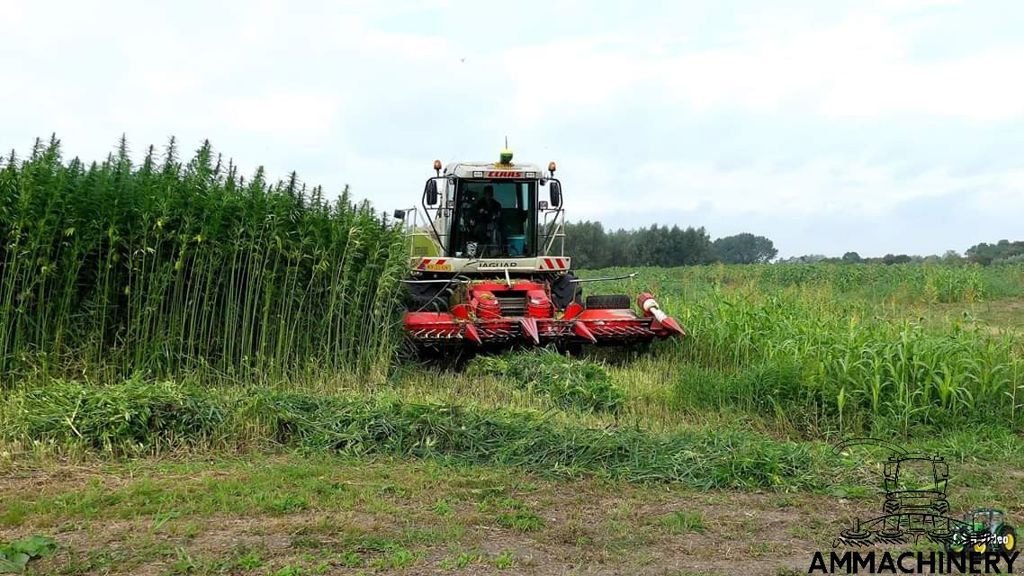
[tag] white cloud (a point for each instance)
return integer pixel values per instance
(285, 113)
(826, 188)
(860, 67)
(914, 5)
(336, 89)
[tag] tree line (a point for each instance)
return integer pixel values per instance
(1002, 252)
(591, 246)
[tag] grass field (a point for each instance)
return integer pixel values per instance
(200, 375)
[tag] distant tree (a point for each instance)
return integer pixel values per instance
(952, 257)
(592, 247)
(986, 254)
(896, 259)
(744, 248)
(700, 248)
(644, 247)
(852, 258)
(587, 244)
(805, 259)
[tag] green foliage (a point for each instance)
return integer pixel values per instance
(1002, 251)
(570, 383)
(15, 556)
(744, 248)
(382, 425)
(592, 247)
(814, 347)
(462, 561)
(683, 522)
(116, 268)
(505, 560)
(877, 283)
(519, 517)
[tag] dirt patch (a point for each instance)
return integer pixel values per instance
(416, 517)
(581, 527)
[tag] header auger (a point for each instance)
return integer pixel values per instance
(488, 269)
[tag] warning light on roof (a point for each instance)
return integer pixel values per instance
(437, 167)
(551, 167)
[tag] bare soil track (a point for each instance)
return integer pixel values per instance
(283, 515)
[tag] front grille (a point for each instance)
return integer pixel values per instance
(512, 304)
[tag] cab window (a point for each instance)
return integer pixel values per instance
(494, 219)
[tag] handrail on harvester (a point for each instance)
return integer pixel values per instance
(606, 278)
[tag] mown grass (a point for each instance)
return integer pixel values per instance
(170, 512)
(569, 383)
(259, 512)
(136, 417)
(361, 525)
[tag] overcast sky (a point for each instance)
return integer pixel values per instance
(873, 125)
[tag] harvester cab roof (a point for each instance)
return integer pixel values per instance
(486, 215)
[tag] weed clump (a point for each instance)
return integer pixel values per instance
(15, 556)
(570, 383)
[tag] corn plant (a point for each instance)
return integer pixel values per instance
(866, 364)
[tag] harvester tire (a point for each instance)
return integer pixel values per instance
(608, 302)
(564, 291)
(427, 298)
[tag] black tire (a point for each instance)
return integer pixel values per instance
(608, 302)
(1009, 544)
(427, 297)
(564, 291)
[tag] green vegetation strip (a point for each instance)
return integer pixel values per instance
(142, 417)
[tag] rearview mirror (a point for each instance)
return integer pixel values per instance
(430, 192)
(399, 214)
(555, 191)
